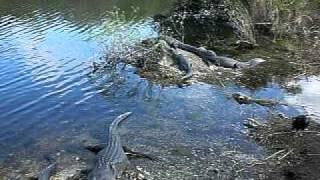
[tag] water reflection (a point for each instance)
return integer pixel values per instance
(309, 97)
(47, 49)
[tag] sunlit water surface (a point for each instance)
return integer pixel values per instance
(52, 101)
(309, 97)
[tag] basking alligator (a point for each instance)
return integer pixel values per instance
(209, 56)
(111, 161)
(181, 61)
(206, 55)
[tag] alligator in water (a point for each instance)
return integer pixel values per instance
(46, 173)
(244, 99)
(111, 161)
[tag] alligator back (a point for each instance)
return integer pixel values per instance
(111, 161)
(46, 173)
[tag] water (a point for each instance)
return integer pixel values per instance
(308, 97)
(52, 101)
(46, 52)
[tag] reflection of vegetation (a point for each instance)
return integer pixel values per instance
(194, 116)
(107, 79)
(85, 8)
(293, 89)
(154, 125)
(118, 31)
(113, 80)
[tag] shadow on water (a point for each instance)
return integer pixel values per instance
(52, 102)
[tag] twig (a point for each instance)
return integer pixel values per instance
(221, 83)
(313, 154)
(274, 154)
(289, 152)
(281, 133)
(254, 164)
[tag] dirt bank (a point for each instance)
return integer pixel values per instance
(292, 154)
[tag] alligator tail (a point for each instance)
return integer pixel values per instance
(115, 124)
(46, 173)
(188, 75)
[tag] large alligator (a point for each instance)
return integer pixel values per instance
(111, 161)
(210, 57)
(46, 173)
(112, 158)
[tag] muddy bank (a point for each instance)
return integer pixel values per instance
(168, 61)
(292, 154)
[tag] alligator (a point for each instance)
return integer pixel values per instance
(181, 61)
(46, 173)
(96, 148)
(244, 99)
(183, 65)
(210, 57)
(111, 161)
(206, 55)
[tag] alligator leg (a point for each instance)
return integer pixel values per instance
(137, 155)
(129, 152)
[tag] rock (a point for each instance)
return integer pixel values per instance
(72, 173)
(264, 28)
(141, 176)
(300, 122)
(218, 21)
(244, 44)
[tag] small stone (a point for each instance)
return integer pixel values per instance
(141, 176)
(139, 168)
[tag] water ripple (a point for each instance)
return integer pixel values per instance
(46, 52)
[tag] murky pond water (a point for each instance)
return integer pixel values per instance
(52, 101)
